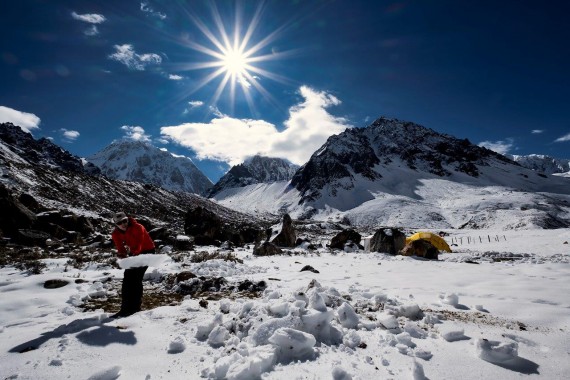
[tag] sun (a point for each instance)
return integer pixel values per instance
(233, 59)
(235, 62)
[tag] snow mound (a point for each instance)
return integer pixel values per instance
(143, 260)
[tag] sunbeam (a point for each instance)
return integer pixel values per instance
(235, 59)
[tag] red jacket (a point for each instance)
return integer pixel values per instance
(135, 237)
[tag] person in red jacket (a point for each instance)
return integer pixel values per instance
(131, 239)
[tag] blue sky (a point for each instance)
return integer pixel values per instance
(85, 73)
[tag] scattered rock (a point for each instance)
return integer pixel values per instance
(309, 268)
(343, 237)
(389, 240)
(54, 284)
(266, 249)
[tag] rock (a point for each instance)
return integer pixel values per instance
(208, 228)
(266, 249)
(32, 238)
(184, 276)
(13, 214)
(285, 236)
(54, 284)
(309, 268)
(389, 240)
(343, 237)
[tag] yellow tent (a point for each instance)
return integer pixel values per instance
(436, 240)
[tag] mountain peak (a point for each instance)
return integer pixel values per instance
(362, 151)
(140, 161)
(256, 169)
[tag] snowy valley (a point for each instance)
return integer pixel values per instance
(494, 308)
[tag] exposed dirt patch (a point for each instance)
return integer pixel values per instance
(478, 317)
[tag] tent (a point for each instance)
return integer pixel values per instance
(435, 240)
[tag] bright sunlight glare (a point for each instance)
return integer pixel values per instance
(237, 63)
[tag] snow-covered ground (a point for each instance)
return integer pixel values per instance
(496, 308)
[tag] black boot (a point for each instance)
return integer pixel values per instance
(132, 291)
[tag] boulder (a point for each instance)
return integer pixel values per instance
(208, 228)
(285, 235)
(13, 214)
(343, 237)
(388, 240)
(266, 249)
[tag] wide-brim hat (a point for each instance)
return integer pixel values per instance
(120, 216)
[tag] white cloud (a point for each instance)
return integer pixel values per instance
(195, 103)
(92, 18)
(127, 56)
(175, 77)
(563, 138)
(92, 31)
(26, 121)
(135, 133)
(216, 111)
(502, 147)
(69, 135)
(537, 131)
(232, 140)
(147, 9)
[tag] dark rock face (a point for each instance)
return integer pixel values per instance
(343, 237)
(40, 152)
(208, 228)
(357, 151)
(13, 214)
(341, 154)
(287, 236)
(388, 240)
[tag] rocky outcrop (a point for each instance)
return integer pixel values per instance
(13, 214)
(40, 152)
(209, 228)
(266, 249)
(285, 235)
(343, 237)
(388, 240)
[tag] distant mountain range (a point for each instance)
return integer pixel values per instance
(543, 164)
(396, 173)
(141, 162)
(392, 172)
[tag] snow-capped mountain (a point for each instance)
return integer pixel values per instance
(256, 169)
(19, 146)
(400, 173)
(542, 163)
(141, 162)
(360, 153)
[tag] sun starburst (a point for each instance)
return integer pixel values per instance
(234, 59)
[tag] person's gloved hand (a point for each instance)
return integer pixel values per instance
(128, 250)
